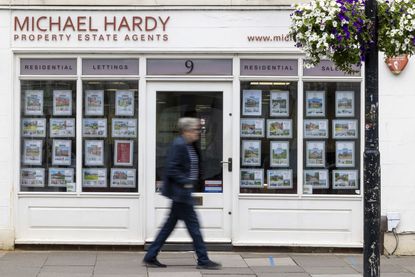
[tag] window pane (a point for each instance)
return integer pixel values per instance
(331, 138)
(268, 137)
(110, 136)
(48, 144)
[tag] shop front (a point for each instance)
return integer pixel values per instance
(96, 98)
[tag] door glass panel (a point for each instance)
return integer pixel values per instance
(208, 107)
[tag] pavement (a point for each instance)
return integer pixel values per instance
(182, 264)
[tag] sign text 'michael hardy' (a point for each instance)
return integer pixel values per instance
(87, 28)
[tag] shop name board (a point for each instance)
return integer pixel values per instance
(88, 28)
(110, 67)
(154, 30)
(48, 67)
(269, 67)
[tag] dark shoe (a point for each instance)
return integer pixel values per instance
(209, 265)
(153, 263)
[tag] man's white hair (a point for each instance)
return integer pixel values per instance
(187, 123)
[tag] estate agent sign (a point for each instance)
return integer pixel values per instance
(153, 30)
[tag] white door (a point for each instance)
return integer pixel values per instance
(211, 102)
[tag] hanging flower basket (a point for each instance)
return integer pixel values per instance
(339, 30)
(396, 27)
(396, 32)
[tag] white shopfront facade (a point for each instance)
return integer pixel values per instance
(214, 59)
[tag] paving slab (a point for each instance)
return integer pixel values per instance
(35, 259)
(124, 275)
(277, 269)
(403, 260)
(229, 260)
(352, 259)
(320, 270)
(68, 269)
(54, 274)
(137, 265)
(284, 261)
(410, 268)
(358, 267)
(179, 261)
(338, 275)
(385, 268)
(392, 268)
(268, 261)
(283, 274)
(18, 271)
(271, 261)
(174, 269)
(119, 256)
(71, 258)
(230, 275)
(398, 275)
(174, 274)
(242, 271)
(185, 254)
(319, 260)
(120, 270)
(246, 255)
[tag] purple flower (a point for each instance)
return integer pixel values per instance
(346, 31)
(343, 16)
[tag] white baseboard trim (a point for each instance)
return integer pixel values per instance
(406, 244)
(6, 239)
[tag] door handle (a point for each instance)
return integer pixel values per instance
(229, 162)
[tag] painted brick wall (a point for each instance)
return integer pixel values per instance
(397, 142)
(6, 132)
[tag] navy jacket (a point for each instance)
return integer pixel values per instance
(177, 171)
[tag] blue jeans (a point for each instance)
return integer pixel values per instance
(186, 213)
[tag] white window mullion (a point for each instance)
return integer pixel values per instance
(79, 151)
(300, 122)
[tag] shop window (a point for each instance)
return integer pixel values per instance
(48, 144)
(110, 136)
(268, 137)
(331, 138)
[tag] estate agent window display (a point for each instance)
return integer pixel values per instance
(48, 144)
(268, 137)
(110, 136)
(331, 138)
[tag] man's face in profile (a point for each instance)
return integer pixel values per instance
(192, 134)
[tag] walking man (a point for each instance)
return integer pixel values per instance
(181, 176)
